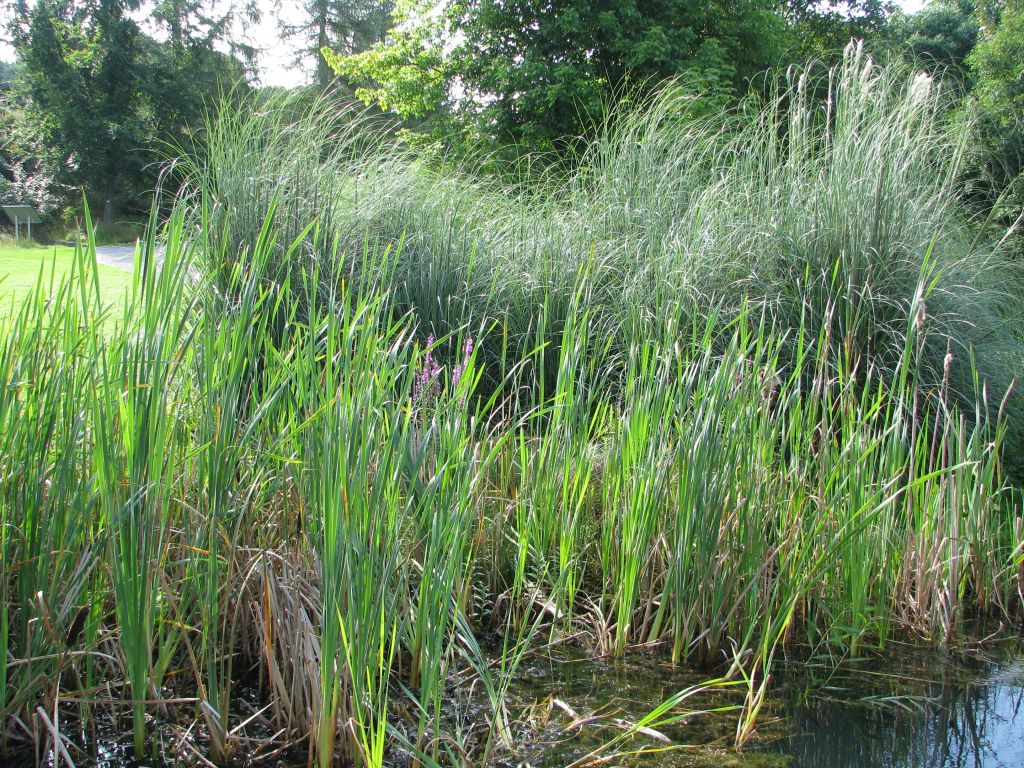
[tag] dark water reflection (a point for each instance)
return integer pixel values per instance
(910, 709)
(949, 715)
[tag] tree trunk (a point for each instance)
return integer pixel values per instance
(323, 72)
(108, 215)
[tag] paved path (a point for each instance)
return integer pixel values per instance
(122, 256)
(118, 256)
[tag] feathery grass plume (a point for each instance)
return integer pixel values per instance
(823, 204)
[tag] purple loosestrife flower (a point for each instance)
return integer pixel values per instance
(467, 352)
(425, 384)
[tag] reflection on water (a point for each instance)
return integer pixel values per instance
(950, 718)
(912, 709)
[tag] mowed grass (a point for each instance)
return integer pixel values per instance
(21, 265)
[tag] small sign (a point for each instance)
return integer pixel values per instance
(22, 214)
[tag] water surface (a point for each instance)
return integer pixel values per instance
(907, 709)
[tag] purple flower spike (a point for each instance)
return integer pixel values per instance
(425, 385)
(467, 352)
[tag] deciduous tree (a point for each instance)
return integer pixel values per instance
(95, 98)
(997, 63)
(533, 72)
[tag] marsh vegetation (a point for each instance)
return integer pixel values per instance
(372, 433)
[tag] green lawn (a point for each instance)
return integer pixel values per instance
(20, 266)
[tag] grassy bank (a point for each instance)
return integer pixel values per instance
(364, 457)
(22, 265)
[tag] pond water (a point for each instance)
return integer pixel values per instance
(954, 715)
(907, 709)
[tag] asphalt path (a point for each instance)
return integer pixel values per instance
(117, 256)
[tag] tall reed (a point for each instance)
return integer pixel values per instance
(135, 380)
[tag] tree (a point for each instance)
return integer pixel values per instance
(997, 64)
(81, 85)
(95, 98)
(824, 27)
(941, 35)
(194, 27)
(534, 72)
(179, 87)
(346, 26)
(29, 169)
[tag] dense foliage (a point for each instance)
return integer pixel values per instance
(940, 36)
(997, 64)
(536, 73)
(96, 102)
(824, 28)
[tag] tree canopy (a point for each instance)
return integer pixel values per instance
(943, 33)
(531, 72)
(997, 64)
(346, 26)
(96, 98)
